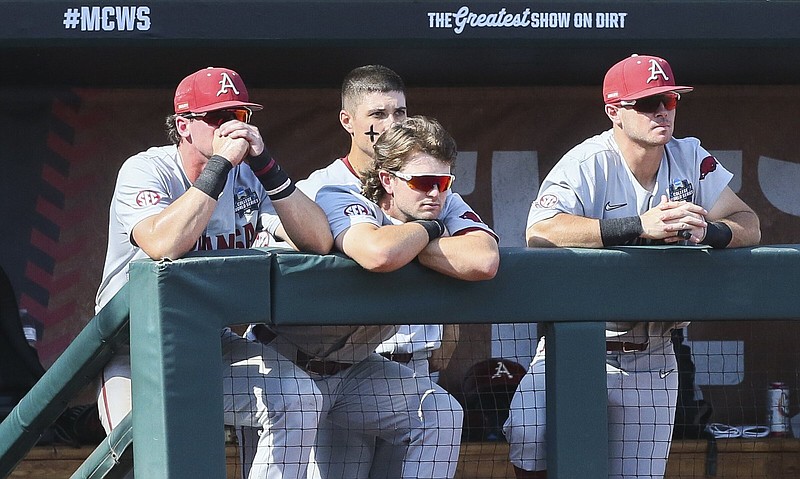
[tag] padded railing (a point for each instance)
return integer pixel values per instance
(177, 309)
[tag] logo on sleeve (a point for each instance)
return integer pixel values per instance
(470, 215)
(708, 165)
(547, 201)
(356, 209)
(147, 198)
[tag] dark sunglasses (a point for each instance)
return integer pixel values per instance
(218, 117)
(650, 104)
(425, 181)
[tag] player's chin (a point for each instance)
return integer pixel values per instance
(428, 214)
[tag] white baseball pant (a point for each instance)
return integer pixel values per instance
(261, 388)
(642, 392)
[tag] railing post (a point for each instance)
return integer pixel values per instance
(577, 402)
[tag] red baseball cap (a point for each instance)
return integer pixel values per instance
(639, 76)
(212, 89)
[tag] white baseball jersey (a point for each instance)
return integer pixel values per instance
(335, 188)
(149, 182)
(593, 180)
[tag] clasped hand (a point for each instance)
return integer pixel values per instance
(666, 219)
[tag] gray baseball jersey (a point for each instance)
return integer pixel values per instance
(335, 189)
(593, 180)
(149, 182)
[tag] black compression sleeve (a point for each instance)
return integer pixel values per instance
(435, 228)
(213, 177)
(618, 231)
(272, 177)
(718, 235)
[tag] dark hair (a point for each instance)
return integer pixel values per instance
(399, 142)
(172, 130)
(369, 79)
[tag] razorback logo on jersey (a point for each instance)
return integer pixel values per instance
(708, 165)
(470, 215)
(546, 201)
(356, 209)
(147, 198)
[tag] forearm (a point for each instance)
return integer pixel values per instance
(565, 230)
(473, 256)
(440, 358)
(174, 232)
(303, 223)
(745, 227)
(385, 248)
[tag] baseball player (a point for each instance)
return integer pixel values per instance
(633, 184)
(373, 98)
(216, 187)
(365, 393)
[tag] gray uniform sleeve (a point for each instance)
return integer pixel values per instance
(345, 206)
(141, 192)
(459, 218)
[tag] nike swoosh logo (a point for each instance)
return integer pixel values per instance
(610, 207)
(663, 374)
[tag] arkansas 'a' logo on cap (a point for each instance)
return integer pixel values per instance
(225, 83)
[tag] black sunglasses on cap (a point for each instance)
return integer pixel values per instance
(650, 104)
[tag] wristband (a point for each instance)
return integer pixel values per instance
(435, 228)
(718, 235)
(213, 177)
(618, 231)
(272, 177)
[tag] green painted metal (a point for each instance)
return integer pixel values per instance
(77, 366)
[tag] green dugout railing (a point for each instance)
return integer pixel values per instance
(177, 309)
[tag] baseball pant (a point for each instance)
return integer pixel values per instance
(642, 392)
(261, 388)
(352, 453)
(416, 424)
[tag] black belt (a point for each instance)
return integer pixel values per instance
(319, 366)
(402, 358)
(625, 347)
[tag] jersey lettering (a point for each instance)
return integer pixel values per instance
(225, 83)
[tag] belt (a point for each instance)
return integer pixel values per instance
(624, 347)
(319, 366)
(402, 358)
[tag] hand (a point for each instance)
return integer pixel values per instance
(232, 149)
(237, 129)
(665, 220)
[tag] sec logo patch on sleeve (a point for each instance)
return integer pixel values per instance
(147, 198)
(547, 201)
(356, 209)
